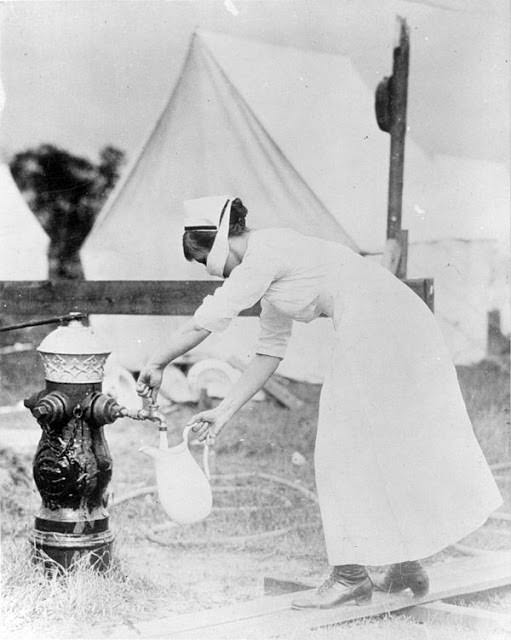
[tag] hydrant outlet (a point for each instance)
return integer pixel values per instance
(100, 409)
(51, 409)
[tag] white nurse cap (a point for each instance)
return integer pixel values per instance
(204, 213)
(212, 213)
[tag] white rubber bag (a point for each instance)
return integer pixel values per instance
(183, 488)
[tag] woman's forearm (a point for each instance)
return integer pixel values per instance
(251, 381)
(185, 338)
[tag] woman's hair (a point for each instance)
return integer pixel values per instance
(197, 243)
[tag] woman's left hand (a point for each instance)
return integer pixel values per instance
(208, 424)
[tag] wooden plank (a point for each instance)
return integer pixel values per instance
(272, 617)
(500, 515)
(501, 466)
(428, 293)
(497, 344)
(402, 238)
(470, 617)
(273, 387)
(283, 395)
(40, 299)
(395, 254)
(133, 297)
(391, 255)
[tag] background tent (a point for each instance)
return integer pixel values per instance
(296, 118)
(23, 242)
(207, 140)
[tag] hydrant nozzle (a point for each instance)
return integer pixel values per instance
(49, 408)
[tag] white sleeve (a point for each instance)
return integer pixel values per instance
(245, 286)
(275, 331)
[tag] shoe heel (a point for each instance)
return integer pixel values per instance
(364, 598)
(419, 585)
(420, 588)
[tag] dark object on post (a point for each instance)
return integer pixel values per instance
(274, 388)
(383, 104)
(390, 106)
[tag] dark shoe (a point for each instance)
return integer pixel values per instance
(333, 593)
(405, 575)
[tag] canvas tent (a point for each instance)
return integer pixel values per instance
(23, 242)
(293, 132)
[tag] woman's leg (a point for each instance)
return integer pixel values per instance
(347, 583)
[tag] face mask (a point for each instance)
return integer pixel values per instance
(220, 250)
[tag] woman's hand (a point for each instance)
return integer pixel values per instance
(208, 424)
(185, 338)
(149, 382)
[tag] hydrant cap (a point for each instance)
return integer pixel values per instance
(73, 339)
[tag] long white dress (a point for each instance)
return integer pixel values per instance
(399, 472)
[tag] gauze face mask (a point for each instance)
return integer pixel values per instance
(219, 253)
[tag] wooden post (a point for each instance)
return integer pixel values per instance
(497, 344)
(390, 105)
(399, 97)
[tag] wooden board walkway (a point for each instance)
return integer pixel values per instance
(272, 617)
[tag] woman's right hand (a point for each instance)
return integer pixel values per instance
(149, 382)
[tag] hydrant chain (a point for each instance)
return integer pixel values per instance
(78, 411)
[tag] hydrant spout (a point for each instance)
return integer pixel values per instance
(151, 413)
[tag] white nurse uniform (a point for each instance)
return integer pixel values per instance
(399, 472)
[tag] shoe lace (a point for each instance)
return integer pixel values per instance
(329, 582)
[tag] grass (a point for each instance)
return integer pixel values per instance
(38, 605)
(149, 580)
(486, 392)
(15, 385)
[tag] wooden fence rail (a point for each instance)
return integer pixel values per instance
(37, 299)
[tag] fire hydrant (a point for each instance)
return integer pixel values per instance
(72, 465)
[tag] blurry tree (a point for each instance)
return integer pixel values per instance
(65, 192)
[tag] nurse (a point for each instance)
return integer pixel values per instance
(399, 473)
